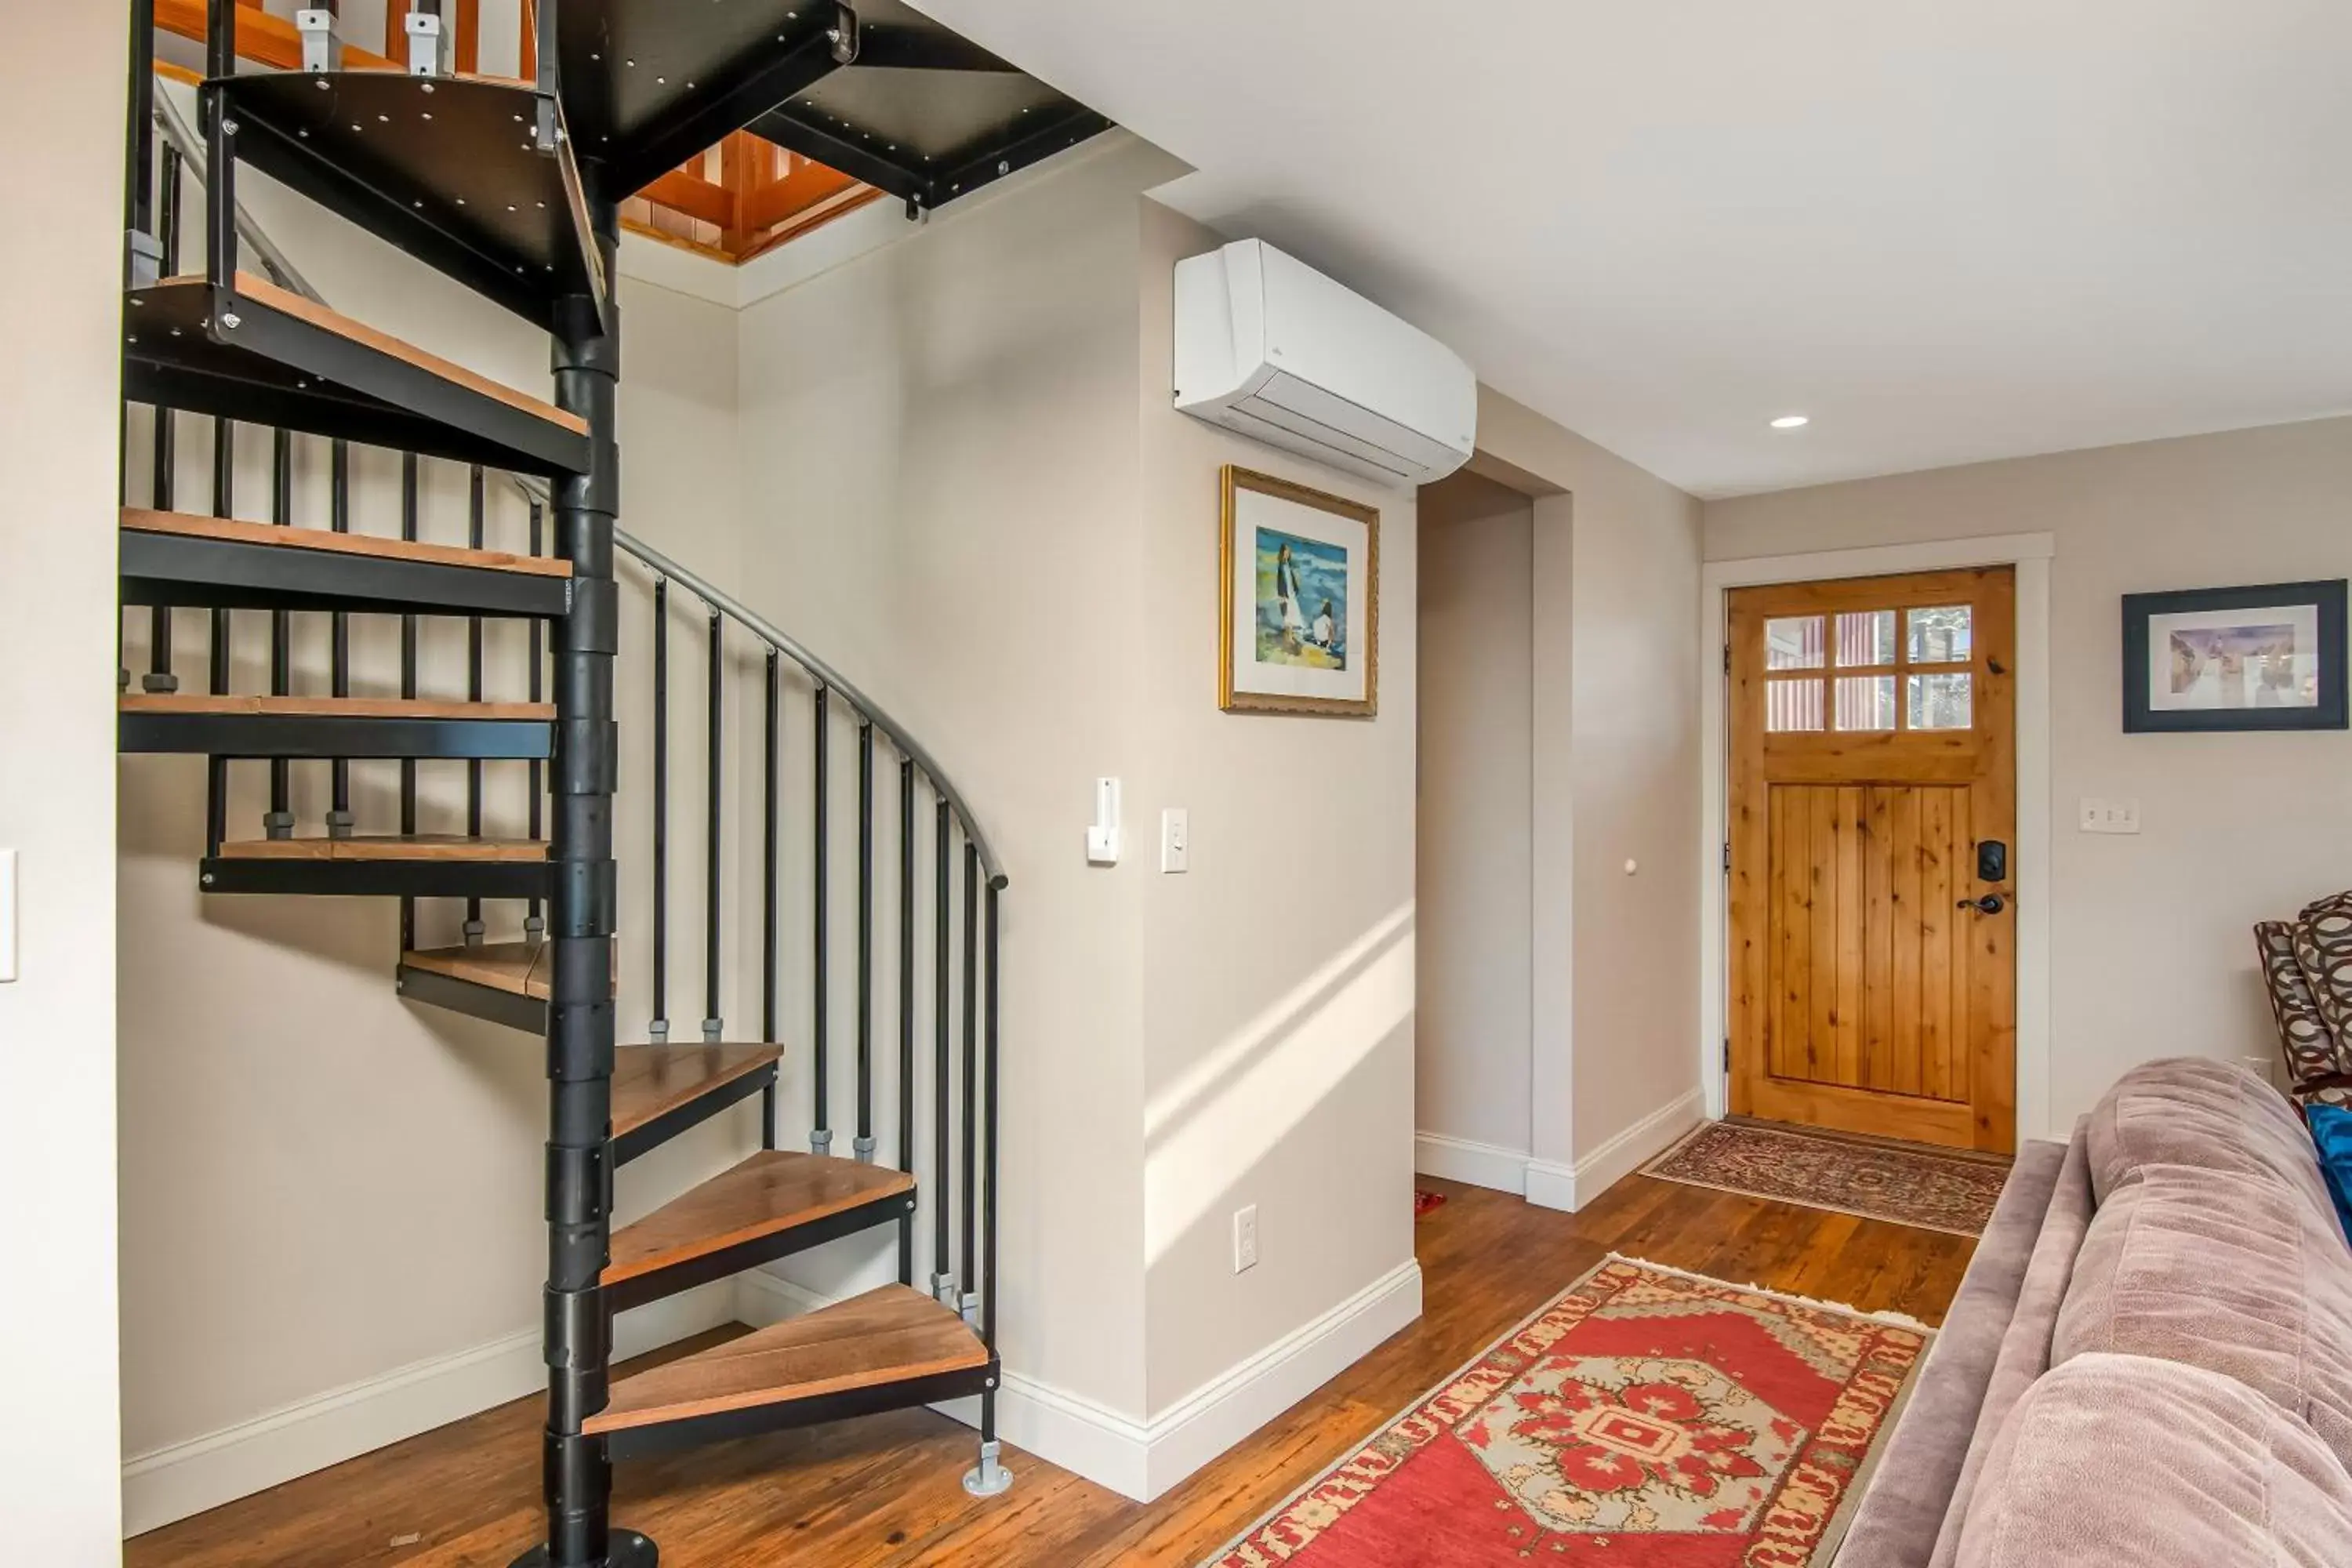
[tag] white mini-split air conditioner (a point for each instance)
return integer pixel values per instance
(1269, 347)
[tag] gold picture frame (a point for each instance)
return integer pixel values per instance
(1298, 608)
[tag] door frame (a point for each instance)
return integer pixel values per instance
(2030, 554)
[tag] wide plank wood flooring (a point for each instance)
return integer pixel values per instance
(885, 1493)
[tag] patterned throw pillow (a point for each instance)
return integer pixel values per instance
(2304, 1038)
(2322, 947)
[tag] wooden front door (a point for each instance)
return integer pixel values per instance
(1873, 849)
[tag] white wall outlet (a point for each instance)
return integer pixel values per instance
(2104, 815)
(1244, 1239)
(1175, 840)
(7, 916)
(1102, 838)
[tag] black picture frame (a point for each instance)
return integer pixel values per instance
(2327, 597)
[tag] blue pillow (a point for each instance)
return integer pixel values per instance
(2331, 1129)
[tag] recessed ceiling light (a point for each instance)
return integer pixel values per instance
(1790, 422)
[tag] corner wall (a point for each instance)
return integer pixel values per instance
(2150, 951)
(61, 113)
(1618, 846)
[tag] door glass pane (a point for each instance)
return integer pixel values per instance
(1791, 705)
(1940, 701)
(1865, 637)
(1793, 642)
(1939, 635)
(1865, 702)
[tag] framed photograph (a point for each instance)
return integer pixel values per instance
(1298, 600)
(2269, 657)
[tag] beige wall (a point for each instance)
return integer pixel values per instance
(1278, 979)
(940, 478)
(1616, 760)
(1476, 820)
(321, 1185)
(61, 93)
(2149, 951)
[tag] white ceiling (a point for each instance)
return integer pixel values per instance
(1946, 229)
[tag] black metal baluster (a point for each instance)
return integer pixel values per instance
(474, 929)
(217, 768)
(534, 924)
(340, 821)
(970, 1304)
(220, 147)
(159, 675)
(280, 823)
(942, 1074)
(988, 1118)
(821, 1134)
(769, 933)
(657, 1031)
(906, 1006)
(712, 839)
(408, 500)
(989, 1477)
(865, 1140)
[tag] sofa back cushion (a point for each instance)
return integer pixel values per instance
(2119, 1462)
(2231, 1272)
(2188, 1111)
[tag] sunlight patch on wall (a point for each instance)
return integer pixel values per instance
(1225, 1113)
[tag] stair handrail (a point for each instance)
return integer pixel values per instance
(825, 674)
(286, 275)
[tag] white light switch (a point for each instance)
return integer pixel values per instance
(2099, 816)
(8, 915)
(1244, 1239)
(1175, 840)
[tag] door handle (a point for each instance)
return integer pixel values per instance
(1991, 904)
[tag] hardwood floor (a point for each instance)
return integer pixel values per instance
(886, 1492)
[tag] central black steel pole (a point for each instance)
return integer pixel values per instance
(582, 914)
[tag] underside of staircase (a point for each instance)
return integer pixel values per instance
(510, 187)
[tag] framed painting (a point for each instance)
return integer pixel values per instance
(2268, 656)
(1298, 600)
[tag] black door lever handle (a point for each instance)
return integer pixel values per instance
(1991, 904)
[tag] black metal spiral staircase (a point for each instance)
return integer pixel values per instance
(512, 188)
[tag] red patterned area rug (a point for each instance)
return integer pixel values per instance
(1910, 1184)
(1646, 1418)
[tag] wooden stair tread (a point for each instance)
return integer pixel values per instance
(198, 703)
(262, 291)
(365, 847)
(234, 530)
(521, 968)
(773, 1191)
(890, 1335)
(650, 1081)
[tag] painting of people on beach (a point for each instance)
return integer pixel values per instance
(1299, 617)
(1302, 602)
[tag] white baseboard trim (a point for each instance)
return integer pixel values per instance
(183, 1478)
(1462, 1159)
(1550, 1185)
(1143, 1459)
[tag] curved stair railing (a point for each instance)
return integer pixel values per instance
(266, 350)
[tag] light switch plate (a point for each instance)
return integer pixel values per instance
(1244, 1239)
(7, 916)
(2106, 815)
(1175, 840)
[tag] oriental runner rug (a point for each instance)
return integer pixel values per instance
(1937, 1189)
(1645, 1418)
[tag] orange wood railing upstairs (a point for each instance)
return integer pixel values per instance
(738, 200)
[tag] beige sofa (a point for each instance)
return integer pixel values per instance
(2149, 1363)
